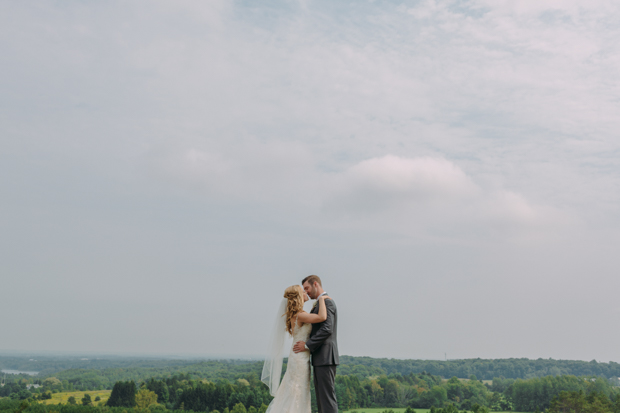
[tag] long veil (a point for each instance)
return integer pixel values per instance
(272, 369)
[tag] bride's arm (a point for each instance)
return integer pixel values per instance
(315, 318)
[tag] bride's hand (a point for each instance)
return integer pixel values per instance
(325, 297)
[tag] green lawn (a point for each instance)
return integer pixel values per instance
(382, 409)
(396, 410)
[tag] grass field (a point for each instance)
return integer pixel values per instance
(382, 409)
(396, 410)
(63, 397)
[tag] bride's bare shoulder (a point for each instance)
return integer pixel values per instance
(302, 318)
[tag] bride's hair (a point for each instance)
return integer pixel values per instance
(295, 304)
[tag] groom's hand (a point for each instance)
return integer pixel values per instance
(299, 347)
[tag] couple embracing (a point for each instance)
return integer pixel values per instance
(313, 333)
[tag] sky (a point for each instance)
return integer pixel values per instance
(450, 169)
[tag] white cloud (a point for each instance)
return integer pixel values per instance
(406, 196)
(409, 195)
(386, 182)
(426, 176)
(263, 172)
(574, 8)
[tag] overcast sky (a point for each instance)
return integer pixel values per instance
(451, 169)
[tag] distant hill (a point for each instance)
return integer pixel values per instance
(110, 369)
(483, 369)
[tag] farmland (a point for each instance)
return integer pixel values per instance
(63, 397)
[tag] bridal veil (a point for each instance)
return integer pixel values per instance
(272, 369)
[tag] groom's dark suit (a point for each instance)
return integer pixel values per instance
(323, 344)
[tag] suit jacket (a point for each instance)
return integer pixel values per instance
(323, 341)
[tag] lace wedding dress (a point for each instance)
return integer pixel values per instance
(293, 395)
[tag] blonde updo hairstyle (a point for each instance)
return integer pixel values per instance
(295, 304)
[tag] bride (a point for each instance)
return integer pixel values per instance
(293, 394)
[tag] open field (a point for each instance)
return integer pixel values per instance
(63, 397)
(382, 409)
(396, 410)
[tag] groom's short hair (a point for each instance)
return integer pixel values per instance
(311, 279)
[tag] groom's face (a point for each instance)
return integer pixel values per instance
(310, 290)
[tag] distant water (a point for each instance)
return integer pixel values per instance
(31, 373)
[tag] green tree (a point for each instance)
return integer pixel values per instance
(476, 408)
(376, 393)
(22, 406)
(123, 394)
(71, 400)
(390, 393)
(24, 394)
(238, 408)
(568, 402)
(145, 399)
(437, 396)
(598, 403)
(52, 383)
(159, 387)
(498, 402)
(86, 400)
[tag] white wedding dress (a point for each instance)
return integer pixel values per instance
(293, 395)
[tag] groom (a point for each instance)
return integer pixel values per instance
(323, 344)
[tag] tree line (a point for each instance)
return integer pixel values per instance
(484, 369)
(101, 373)
(247, 394)
(362, 382)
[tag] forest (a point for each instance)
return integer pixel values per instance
(80, 373)
(234, 386)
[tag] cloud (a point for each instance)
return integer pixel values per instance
(262, 172)
(381, 183)
(408, 195)
(574, 8)
(389, 193)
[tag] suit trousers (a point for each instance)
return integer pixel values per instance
(325, 388)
